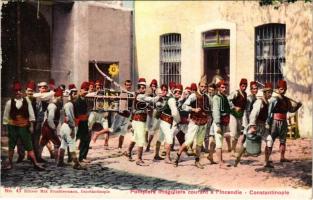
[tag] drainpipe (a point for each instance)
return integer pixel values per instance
(133, 48)
(18, 42)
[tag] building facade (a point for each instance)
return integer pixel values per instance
(59, 40)
(181, 41)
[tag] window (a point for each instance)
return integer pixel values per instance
(216, 38)
(170, 58)
(270, 53)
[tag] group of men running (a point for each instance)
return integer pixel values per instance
(199, 117)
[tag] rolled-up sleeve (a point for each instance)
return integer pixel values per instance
(44, 96)
(69, 113)
(91, 120)
(31, 112)
(174, 110)
(231, 97)
(216, 110)
(6, 113)
(255, 112)
(51, 113)
(272, 104)
(148, 99)
(187, 104)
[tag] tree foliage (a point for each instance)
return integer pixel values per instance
(275, 2)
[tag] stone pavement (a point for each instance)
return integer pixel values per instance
(110, 170)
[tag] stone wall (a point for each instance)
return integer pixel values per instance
(190, 19)
(89, 32)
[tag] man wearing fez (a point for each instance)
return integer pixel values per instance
(251, 98)
(168, 114)
(42, 101)
(209, 141)
(139, 119)
(237, 101)
(198, 104)
(221, 112)
(153, 123)
(30, 89)
(250, 101)
(81, 119)
(49, 127)
(68, 130)
(19, 118)
(257, 119)
(122, 118)
(277, 117)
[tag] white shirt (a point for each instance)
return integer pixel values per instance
(172, 104)
(69, 113)
(18, 103)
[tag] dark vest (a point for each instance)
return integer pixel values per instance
(282, 105)
(139, 106)
(80, 107)
(240, 101)
(166, 109)
(202, 102)
(23, 111)
(224, 106)
(263, 112)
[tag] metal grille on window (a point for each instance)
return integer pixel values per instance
(270, 53)
(170, 58)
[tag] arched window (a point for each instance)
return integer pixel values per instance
(170, 58)
(270, 52)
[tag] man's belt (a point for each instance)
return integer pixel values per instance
(80, 118)
(142, 117)
(200, 121)
(280, 116)
(166, 118)
(225, 120)
(184, 120)
(19, 121)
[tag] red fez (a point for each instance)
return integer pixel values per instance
(253, 83)
(268, 86)
(31, 85)
(193, 87)
(243, 81)
(179, 87)
(188, 88)
(16, 86)
(141, 81)
(282, 84)
(154, 82)
(222, 82)
(58, 92)
(172, 85)
(72, 86)
(85, 85)
(91, 82)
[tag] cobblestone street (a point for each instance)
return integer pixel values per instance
(110, 170)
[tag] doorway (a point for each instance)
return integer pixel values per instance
(25, 45)
(216, 55)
